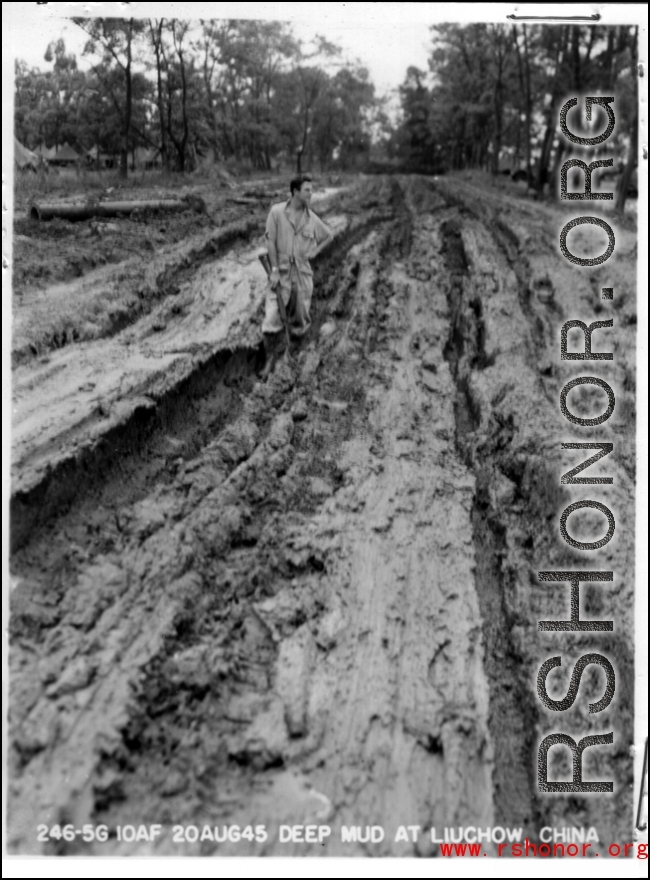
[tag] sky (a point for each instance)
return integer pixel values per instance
(384, 45)
(385, 37)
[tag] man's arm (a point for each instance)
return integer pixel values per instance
(323, 236)
(273, 253)
(271, 229)
(325, 243)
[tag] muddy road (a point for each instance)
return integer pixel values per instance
(314, 599)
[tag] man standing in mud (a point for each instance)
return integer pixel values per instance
(294, 235)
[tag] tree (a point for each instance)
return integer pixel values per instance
(417, 108)
(214, 38)
(525, 88)
(472, 70)
(177, 121)
(98, 120)
(248, 89)
(497, 92)
(501, 46)
(313, 84)
(115, 40)
(244, 63)
(628, 94)
(156, 36)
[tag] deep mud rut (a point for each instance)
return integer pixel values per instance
(314, 599)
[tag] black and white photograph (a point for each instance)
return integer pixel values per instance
(324, 433)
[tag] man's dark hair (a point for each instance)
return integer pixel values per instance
(297, 182)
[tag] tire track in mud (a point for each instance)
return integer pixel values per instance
(93, 544)
(513, 711)
(507, 309)
(323, 613)
(159, 428)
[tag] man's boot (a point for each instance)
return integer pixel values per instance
(273, 345)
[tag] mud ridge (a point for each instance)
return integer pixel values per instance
(517, 491)
(70, 481)
(512, 707)
(270, 552)
(247, 568)
(149, 293)
(131, 444)
(294, 425)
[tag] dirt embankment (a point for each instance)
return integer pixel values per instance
(77, 281)
(315, 599)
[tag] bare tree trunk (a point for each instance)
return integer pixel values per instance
(551, 115)
(524, 80)
(632, 156)
(128, 109)
(555, 173)
(578, 65)
(212, 110)
(186, 123)
(186, 126)
(267, 145)
(180, 144)
(156, 39)
(497, 107)
(497, 95)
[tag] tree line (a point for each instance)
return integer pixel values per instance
(242, 90)
(251, 92)
(492, 96)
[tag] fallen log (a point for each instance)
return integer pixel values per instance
(86, 210)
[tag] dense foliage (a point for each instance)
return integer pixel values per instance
(493, 92)
(251, 93)
(242, 90)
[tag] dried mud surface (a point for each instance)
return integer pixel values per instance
(314, 599)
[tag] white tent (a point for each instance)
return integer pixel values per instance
(45, 152)
(23, 157)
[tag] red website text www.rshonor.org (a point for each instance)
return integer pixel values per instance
(555, 850)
